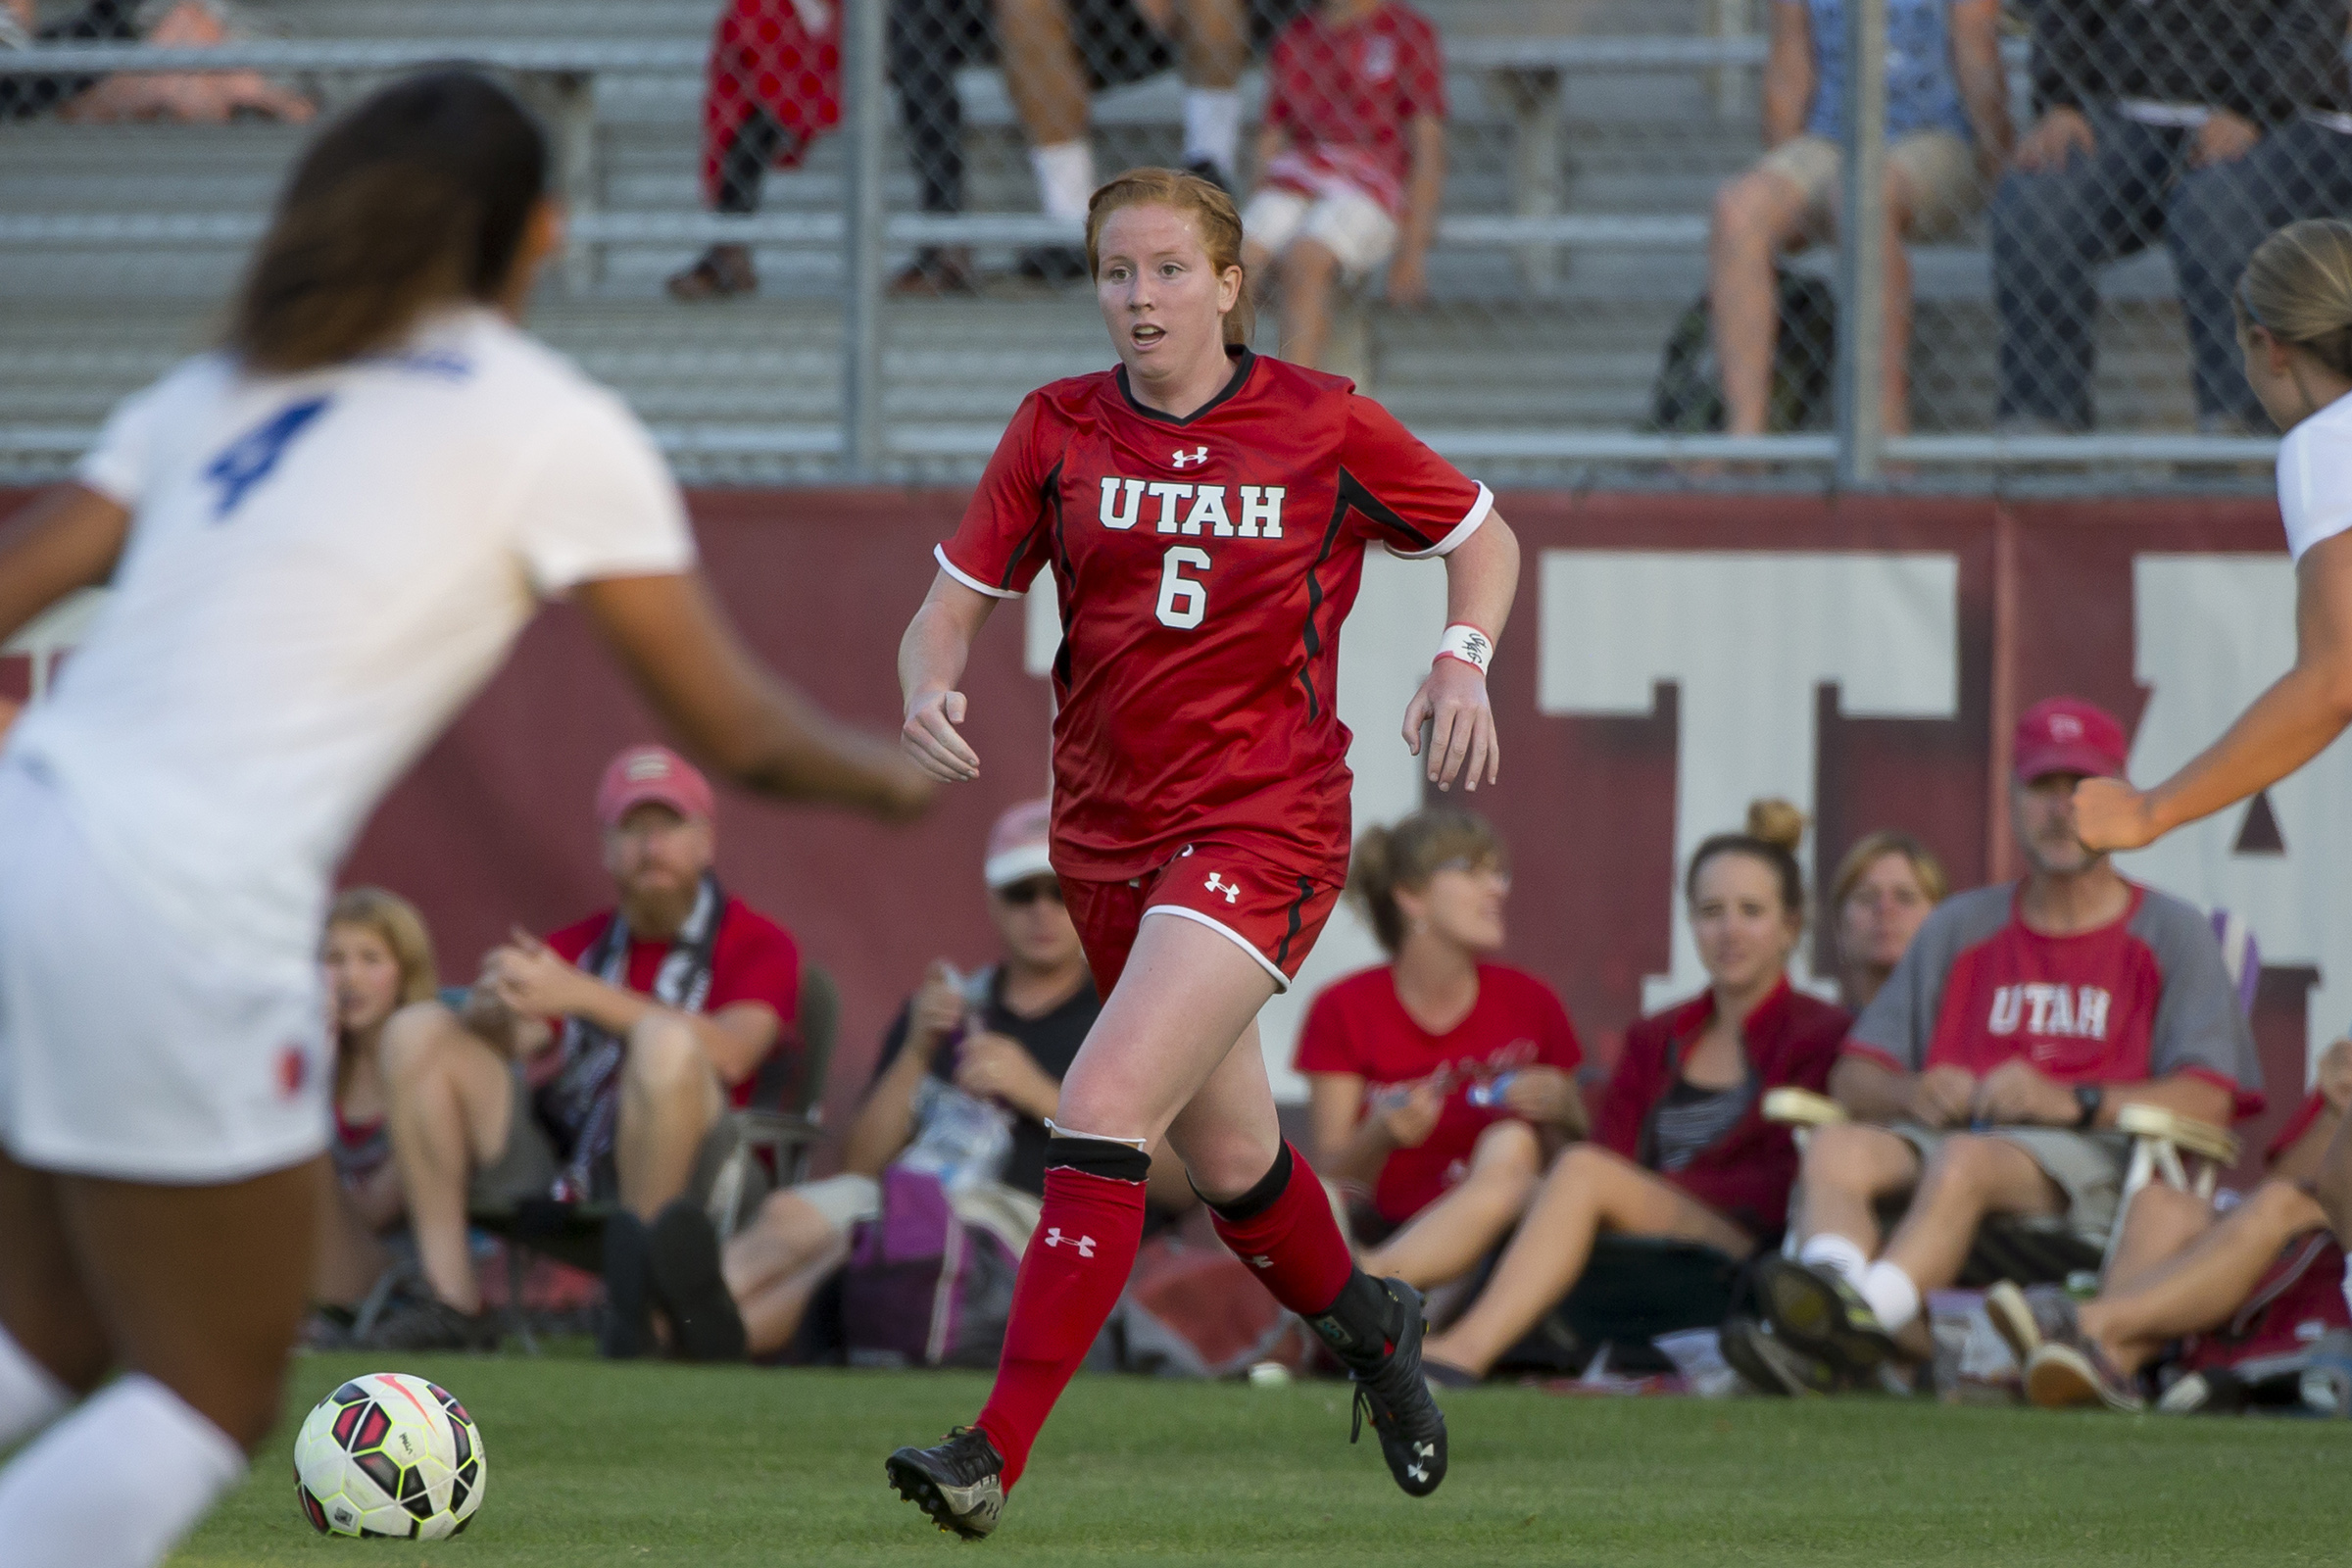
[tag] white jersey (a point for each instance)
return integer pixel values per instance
(2314, 477)
(321, 569)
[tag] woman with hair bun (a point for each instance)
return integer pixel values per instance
(1438, 1082)
(1679, 1145)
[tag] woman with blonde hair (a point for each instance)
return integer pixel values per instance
(1438, 1083)
(1884, 889)
(1680, 1147)
(378, 958)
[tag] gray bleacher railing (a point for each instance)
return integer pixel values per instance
(1525, 257)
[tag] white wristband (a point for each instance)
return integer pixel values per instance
(1468, 644)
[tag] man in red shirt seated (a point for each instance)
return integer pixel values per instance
(597, 1064)
(1986, 1076)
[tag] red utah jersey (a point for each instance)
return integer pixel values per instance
(1347, 97)
(1203, 566)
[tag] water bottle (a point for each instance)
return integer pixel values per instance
(1488, 1096)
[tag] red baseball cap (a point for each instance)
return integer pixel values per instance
(653, 774)
(2068, 735)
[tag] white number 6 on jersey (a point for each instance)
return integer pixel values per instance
(1181, 599)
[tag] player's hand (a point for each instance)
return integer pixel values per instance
(2223, 138)
(1941, 1096)
(2110, 815)
(1409, 1122)
(1408, 282)
(1545, 1095)
(2335, 1076)
(2016, 1093)
(2054, 142)
(529, 979)
(993, 1066)
(938, 1010)
(930, 737)
(1462, 744)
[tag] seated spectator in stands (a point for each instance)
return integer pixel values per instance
(1680, 1147)
(98, 21)
(1001, 1037)
(1351, 163)
(2183, 1266)
(596, 1064)
(2301, 168)
(1440, 1084)
(207, 97)
(378, 958)
(773, 87)
(1986, 1078)
(1947, 129)
(1884, 888)
(2130, 94)
(1057, 54)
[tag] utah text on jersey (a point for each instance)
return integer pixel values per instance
(1191, 509)
(2075, 1011)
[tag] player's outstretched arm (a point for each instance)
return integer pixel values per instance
(732, 714)
(2287, 726)
(1482, 579)
(66, 537)
(931, 660)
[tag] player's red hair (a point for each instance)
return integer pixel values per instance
(1213, 212)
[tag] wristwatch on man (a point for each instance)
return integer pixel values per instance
(2089, 1097)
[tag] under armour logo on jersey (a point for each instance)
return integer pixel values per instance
(1217, 884)
(1084, 1244)
(1261, 1262)
(1182, 456)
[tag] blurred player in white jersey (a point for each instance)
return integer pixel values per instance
(322, 539)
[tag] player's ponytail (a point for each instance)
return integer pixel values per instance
(1210, 209)
(1775, 830)
(2297, 287)
(1408, 854)
(416, 197)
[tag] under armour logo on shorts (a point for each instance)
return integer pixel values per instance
(1182, 456)
(1216, 884)
(1084, 1244)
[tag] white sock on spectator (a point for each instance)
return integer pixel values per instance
(30, 1397)
(1838, 1252)
(116, 1484)
(1066, 178)
(1891, 1295)
(1213, 127)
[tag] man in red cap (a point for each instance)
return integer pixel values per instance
(1986, 1076)
(595, 1064)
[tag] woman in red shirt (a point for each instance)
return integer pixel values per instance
(1680, 1147)
(1206, 512)
(1440, 1083)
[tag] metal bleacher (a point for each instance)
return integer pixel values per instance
(1602, 127)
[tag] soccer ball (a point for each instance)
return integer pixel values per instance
(389, 1454)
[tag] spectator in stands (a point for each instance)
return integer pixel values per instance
(98, 21)
(773, 87)
(1057, 54)
(1001, 1037)
(2130, 94)
(199, 97)
(2301, 168)
(1352, 162)
(1680, 1147)
(595, 1064)
(1947, 128)
(2185, 1266)
(380, 959)
(1884, 888)
(1986, 1078)
(1440, 1084)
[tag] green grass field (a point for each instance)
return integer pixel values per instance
(592, 1463)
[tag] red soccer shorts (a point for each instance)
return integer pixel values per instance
(1272, 913)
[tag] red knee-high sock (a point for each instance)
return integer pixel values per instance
(1071, 1276)
(1284, 1230)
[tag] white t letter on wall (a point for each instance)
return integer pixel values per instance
(1748, 638)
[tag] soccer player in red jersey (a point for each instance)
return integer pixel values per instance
(1204, 512)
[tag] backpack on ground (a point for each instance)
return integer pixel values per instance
(1687, 399)
(929, 1280)
(1197, 1312)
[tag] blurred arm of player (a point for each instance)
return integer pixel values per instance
(1482, 578)
(931, 659)
(66, 538)
(729, 713)
(2287, 726)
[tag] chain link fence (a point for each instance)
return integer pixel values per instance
(1570, 241)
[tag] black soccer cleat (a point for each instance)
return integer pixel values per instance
(1392, 1392)
(958, 1482)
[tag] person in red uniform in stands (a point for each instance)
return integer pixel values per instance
(1204, 512)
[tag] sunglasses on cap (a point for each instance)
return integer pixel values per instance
(1032, 889)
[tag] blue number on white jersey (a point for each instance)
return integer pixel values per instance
(248, 460)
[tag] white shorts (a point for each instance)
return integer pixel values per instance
(1345, 221)
(128, 1048)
